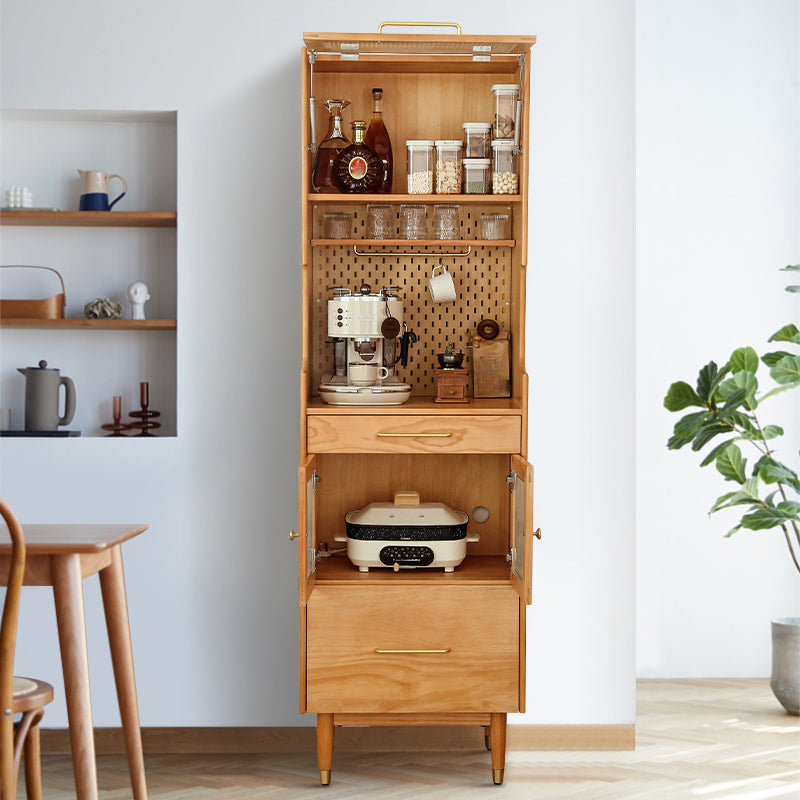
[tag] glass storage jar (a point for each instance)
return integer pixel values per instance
(413, 221)
(504, 167)
(448, 166)
(477, 176)
(337, 225)
(420, 166)
(505, 109)
(380, 224)
(446, 221)
(477, 138)
(495, 226)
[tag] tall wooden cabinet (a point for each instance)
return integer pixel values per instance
(415, 646)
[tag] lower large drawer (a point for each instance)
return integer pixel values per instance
(413, 434)
(412, 649)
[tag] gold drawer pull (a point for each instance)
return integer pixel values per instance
(444, 435)
(389, 652)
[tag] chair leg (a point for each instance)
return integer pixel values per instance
(33, 763)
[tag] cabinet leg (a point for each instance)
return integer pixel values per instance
(487, 739)
(324, 747)
(497, 731)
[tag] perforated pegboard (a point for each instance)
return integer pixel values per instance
(482, 280)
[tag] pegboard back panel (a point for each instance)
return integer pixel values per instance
(483, 282)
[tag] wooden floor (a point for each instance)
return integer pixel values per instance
(701, 740)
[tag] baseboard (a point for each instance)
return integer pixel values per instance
(109, 741)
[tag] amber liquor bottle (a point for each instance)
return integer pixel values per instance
(358, 168)
(378, 139)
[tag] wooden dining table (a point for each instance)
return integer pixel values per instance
(61, 556)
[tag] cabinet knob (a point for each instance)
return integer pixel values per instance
(293, 535)
(538, 533)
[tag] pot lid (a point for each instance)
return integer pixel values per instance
(402, 512)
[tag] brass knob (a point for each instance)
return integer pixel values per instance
(293, 536)
(538, 533)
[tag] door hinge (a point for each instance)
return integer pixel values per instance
(315, 479)
(511, 479)
(481, 52)
(348, 51)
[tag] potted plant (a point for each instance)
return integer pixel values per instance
(726, 404)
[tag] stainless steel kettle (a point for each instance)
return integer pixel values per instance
(42, 385)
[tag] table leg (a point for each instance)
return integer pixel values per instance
(68, 594)
(112, 586)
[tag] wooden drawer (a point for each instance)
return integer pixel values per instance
(413, 434)
(411, 649)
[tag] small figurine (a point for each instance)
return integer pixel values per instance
(138, 295)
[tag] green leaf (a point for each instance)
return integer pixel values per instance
(764, 518)
(686, 427)
(680, 395)
(741, 380)
(788, 333)
(743, 359)
(791, 268)
(732, 402)
(771, 359)
(793, 288)
(708, 432)
(745, 422)
(676, 442)
(772, 471)
(708, 379)
(731, 465)
(733, 530)
(787, 371)
(712, 454)
(772, 431)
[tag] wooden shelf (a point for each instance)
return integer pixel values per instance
(465, 199)
(415, 242)
(93, 324)
(91, 219)
(422, 404)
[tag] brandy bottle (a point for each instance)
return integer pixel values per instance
(330, 147)
(378, 139)
(358, 168)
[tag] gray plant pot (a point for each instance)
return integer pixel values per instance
(785, 681)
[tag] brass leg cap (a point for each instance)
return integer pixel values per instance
(497, 776)
(324, 776)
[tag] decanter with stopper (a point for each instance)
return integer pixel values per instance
(330, 147)
(358, 168)
(378, 139)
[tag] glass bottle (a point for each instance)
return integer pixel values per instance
(330, 147)
(378, 139)
(358, 168)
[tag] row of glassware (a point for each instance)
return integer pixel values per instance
(412, 223)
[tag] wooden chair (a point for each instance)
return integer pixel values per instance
(23, 696)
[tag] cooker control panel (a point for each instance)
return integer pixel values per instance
(406, 556)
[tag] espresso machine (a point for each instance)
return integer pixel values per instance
(369, 339)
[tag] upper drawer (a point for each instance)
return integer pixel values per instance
(412, 649)
(413, 434)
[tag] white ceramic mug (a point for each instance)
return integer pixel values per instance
(441, 286)
(365, 374)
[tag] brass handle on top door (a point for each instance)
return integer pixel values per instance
(293, 536)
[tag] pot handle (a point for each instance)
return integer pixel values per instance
(406, 498)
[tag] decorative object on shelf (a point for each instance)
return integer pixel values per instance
(47, 308)
(5, 419)
(116, 427)
(451, 385)
(330, 147)
(413, 221)
(19, 197)
(490, 361)
(138, 295)
(94, 190)
(103, 308)
(380, 221)
(337, 225)
(42, 386)
(441, 285)
(145, 417)
(446, 221)
(358, 168)
(450, 359)
(378, 139)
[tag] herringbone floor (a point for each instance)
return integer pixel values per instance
(701, 740)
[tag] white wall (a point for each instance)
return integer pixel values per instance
(212, 585)
(718, 132)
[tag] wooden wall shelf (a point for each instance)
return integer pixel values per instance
(94, 324)
(91, 219)
(415, 243)
(462, 199)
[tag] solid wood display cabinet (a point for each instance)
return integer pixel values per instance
(415, 646)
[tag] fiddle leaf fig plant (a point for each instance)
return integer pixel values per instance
(728, 402)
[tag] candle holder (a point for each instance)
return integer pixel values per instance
(116, 427)
(145, 416)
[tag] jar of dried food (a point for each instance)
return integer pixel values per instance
(446, 221)
(477, 176)
(448, 166)
(413, 221)
(380, 224)
(420, 166)
(477, 139)
(504, 167)
(337, 225)
(505, 109)
(495, 226)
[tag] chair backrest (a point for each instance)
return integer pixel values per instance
(8, 641)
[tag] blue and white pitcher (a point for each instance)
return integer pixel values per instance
(94, 190)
